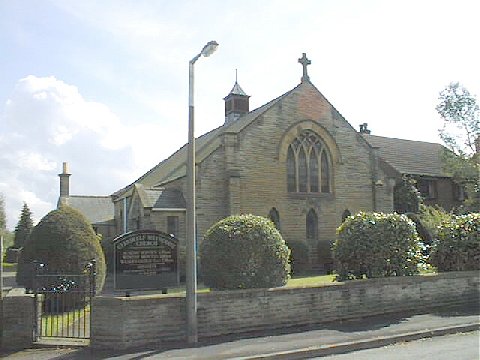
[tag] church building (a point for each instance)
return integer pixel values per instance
(295, 159)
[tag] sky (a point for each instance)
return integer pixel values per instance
(103, 85)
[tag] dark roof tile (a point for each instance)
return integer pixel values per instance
(410, 157)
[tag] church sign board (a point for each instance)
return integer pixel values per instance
(145, 260)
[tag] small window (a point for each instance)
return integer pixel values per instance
(458, 192)
(427, 188)
(291, 176)
(172, 225)
(302, 171)
(313, 171)
(325, 167)
(312, 227)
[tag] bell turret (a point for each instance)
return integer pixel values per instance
(236, 103)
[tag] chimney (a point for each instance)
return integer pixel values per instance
(236, 104)
(64, 182)
(364, 129)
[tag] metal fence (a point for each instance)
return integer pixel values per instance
(63, 303)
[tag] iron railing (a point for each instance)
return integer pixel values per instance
(63, 303)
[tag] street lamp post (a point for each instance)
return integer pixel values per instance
(191, 271)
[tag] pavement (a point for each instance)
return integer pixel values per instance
(293, 343)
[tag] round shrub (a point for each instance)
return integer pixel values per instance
(299, 256)
(65, 242)
(457, 247)
(376, 245)
(244, 251)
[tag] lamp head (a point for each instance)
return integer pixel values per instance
(209, 48)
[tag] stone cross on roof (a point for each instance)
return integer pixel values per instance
(305, 62)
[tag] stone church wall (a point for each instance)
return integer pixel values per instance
(256, 175)
(210, 190)
(247, 173)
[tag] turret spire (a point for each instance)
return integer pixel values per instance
(236, 102)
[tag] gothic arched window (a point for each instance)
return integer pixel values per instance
(312, 226)
(291, 171)
(275, 217)
(308, 164)
(325, 173)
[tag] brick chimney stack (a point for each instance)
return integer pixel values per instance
(64, 182)
(364, 129)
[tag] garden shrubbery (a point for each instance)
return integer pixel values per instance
(65, 242)
(376, 245)
(244, 251)
(457, 247)
(299, 256)
(432, 217)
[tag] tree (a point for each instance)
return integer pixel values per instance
(458, 245)
(66, 243)
(244, 251)
(24, 227)
(3, 218)
(406, 197)
(376, 245)
(461, 135)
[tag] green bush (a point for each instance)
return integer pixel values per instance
(406, 197)
(458, 245)
(324, 255)
(107, 248)
(65, 242)
(376, 245)
(299, 256)
(244, 251)
(432, 217)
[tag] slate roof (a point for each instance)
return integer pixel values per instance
(97, 209)
(174, 167)
(405, 156)
(237, 90)
(410, 157)
(161, 198)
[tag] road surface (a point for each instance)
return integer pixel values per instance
(463, 346)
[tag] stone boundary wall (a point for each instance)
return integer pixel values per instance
(18, 320)
(128, 322)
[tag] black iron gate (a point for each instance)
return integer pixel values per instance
(63, 303)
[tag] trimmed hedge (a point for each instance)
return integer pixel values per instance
(65, 242)
(376, 245)
(244, 251)
(299, 256)
(457, 247)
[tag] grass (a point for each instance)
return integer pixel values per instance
(52, 324)
(9, 266)
(303, 281)
(296, 282)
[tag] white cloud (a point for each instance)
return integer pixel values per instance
(46, 122)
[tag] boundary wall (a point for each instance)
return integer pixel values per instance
(18, 320)
(130, 322)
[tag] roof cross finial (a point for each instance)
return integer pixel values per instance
(305, 62)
